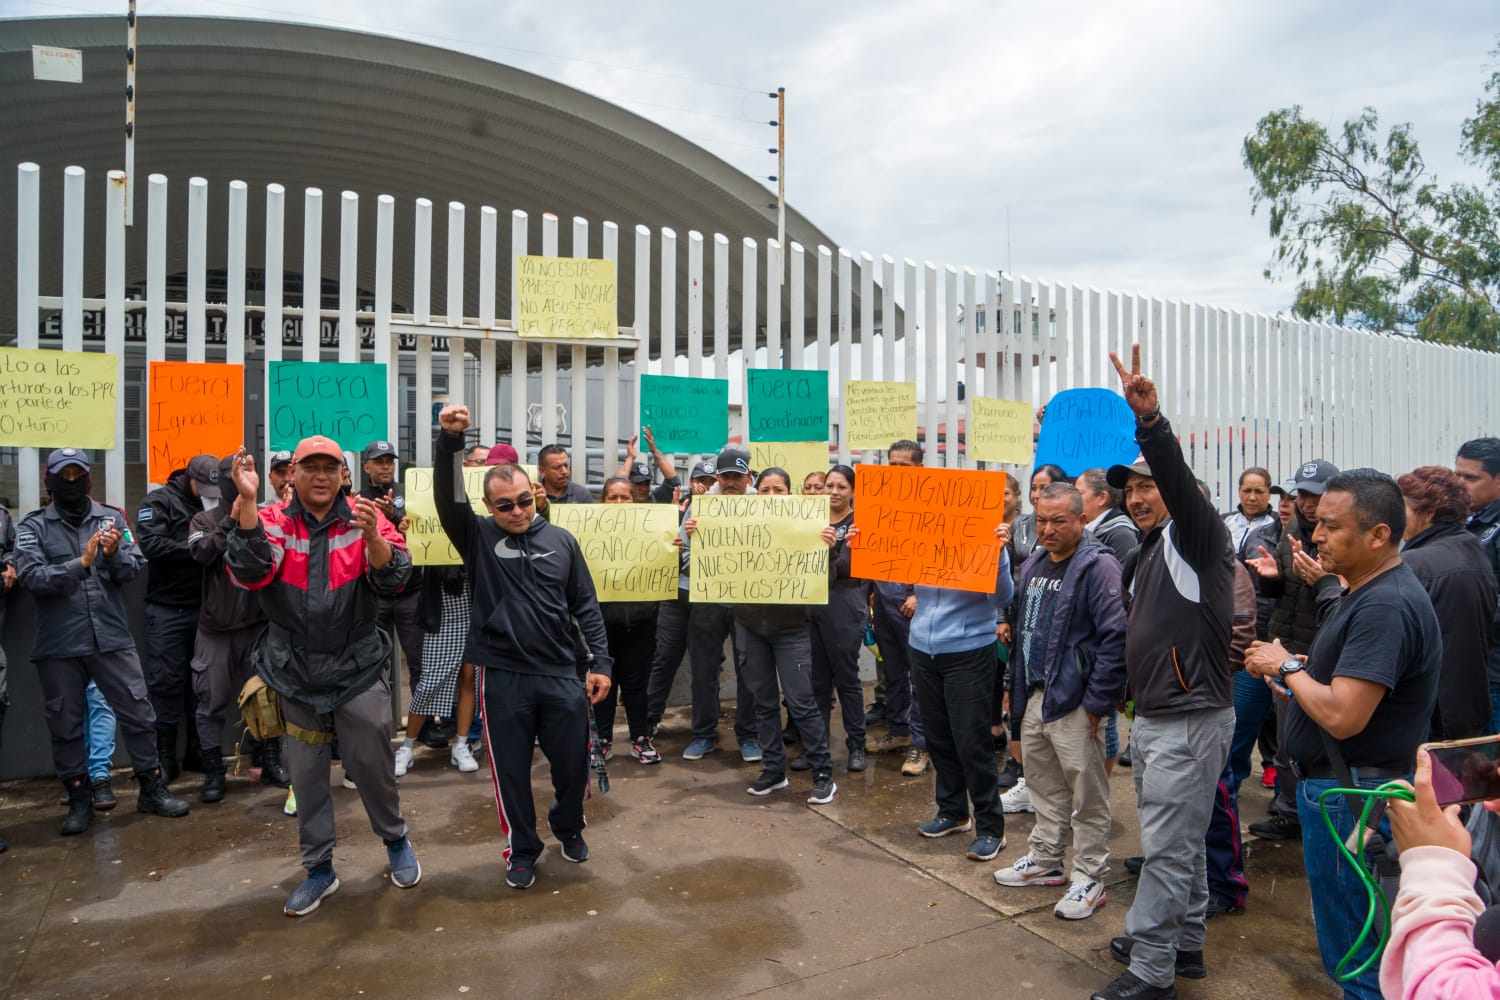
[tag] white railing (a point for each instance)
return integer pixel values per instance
(1240, 388)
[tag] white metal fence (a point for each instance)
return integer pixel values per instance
(1240, 388)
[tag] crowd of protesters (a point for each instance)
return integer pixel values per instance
(1331, 635)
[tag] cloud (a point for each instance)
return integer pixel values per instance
(1084, 141)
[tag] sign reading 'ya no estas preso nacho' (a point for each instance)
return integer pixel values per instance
(566, 298)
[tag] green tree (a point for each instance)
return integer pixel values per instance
(1374, 240)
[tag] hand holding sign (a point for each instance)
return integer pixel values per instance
(1138, 390)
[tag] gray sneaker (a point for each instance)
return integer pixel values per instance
(823, 790)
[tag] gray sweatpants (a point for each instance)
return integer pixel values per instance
(222, 663)
(122, 683)
(363, 725)
(1178, 759)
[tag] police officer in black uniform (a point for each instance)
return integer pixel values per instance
(174, 591)
(398, 615)
(74, 557)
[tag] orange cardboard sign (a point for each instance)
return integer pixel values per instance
(192, 409)
(934, 527)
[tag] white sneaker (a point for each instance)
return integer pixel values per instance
(1083, 898)
(1018, 799)
(1027, 872)
(404, 755)
(463, 758)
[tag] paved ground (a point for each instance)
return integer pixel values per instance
(694, 889)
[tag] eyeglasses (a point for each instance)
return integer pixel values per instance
(506, 506)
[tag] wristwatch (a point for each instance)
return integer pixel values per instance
(1290, 666)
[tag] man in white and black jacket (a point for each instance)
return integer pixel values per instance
(1180, 591)
(530, 585)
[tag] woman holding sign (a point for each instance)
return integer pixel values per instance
(775, 641)
(630, 628)
(838, 629)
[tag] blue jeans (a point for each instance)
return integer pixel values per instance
(1112, 737)
(1338, 895)
(99, 732)
(1252, 703)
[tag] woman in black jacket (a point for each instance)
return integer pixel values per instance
(1456, 574)
(838, 628)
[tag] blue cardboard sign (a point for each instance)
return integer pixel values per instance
(1087, 429)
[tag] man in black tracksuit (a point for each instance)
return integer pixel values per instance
(530, 586)
(174, 589)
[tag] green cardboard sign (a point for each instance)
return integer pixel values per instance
(788, 405)
(686, 415)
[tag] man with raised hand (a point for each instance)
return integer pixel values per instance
(321, 563)
(532, 596)
(1180, 591)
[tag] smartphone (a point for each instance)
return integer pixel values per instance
(1465, 770)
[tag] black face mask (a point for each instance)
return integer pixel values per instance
(71, 496)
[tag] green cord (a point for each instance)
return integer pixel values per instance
(1374, 894)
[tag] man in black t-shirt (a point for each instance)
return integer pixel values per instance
(1369, 682)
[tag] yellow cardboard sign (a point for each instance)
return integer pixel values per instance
(566, 298)
(628, 547)
(57, 399)
(759, 550)
(798, 458)
(877, 414)
(425, 538)
(999, 431)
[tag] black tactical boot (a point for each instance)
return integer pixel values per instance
(80, 806)
(155, 798)
(103, 794)
(213, 775)
(272, 771)
(166, 752)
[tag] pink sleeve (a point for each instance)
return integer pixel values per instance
(1431, 955)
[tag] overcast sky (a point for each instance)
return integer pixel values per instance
(1107, 134)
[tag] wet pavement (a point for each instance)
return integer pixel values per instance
(694, 889)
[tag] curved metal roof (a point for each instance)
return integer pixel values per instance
(259, 101)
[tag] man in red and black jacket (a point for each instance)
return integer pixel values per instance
(321, 563)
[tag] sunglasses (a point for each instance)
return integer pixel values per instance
(506, 506)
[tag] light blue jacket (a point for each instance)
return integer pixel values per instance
(958, 621)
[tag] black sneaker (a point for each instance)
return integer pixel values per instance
(1124, 759)
(575, 850)
(800, 763)
(521, 874)
(1135, 864)
(1278, 827)
(1218, 908)
(1011, 773)
(1128, 987)
(823, 790)
(768, 783)
(1189, 964)
(857, 760)
(875, 713)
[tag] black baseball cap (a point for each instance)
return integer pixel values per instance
(640, 472)
(704, 470)
(61, 458)
(733, 460)
(1312, 478)
(280, 458)
(204, 470)
(379, 449)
